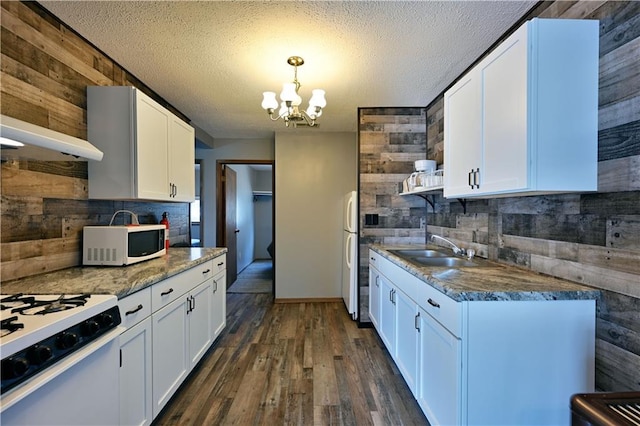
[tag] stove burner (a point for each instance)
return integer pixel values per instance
(8, 326)
(15, 300)
(31, 307)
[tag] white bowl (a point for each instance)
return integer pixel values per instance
(425, 165)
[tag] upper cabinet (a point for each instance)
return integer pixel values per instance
(525, 119)
(149, 153)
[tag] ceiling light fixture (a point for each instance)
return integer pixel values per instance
(289, 107)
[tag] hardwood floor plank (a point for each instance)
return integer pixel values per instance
(293, 364)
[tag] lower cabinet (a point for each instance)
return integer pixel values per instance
(484, 362)
(439, 365)
(374, 296)
(170, 326)
(219, 311)
(135, 375)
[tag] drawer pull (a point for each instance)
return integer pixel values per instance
(133, 311)
(373, 259)
(206, 271)
(221, 263)
(164, 293)
(433, 303)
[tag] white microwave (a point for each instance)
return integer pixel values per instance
(122, 245)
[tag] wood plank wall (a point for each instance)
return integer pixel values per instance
(588, 238)
(390, 140)
(45, 70)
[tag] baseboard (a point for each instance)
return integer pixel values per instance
(310, 300)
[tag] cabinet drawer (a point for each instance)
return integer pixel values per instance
(398, 276)
(442, 308)
(135, 307)
(168, 290)
(219, 264)
(375, 259)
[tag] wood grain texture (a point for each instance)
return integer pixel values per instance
(296, 363)
(45, 69)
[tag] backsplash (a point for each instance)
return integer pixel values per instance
(44, 204)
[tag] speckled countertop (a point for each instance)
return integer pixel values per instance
(489, 281)
(117, 280)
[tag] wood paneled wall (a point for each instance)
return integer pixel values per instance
(390, 140)
(46, 68)
(588, 238)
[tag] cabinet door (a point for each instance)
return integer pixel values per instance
(440, 372)
(462, 136)
(387, 328)
(199, 315)
(219, 304)
(503, 76)
(170, 344)
(135, 375)
(374, 297)
(181, 161)
(407, 339)
(151, 149)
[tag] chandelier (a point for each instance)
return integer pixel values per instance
(289, 107)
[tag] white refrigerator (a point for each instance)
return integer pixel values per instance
(350, 253)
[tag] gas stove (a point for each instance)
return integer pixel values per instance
(39, 330)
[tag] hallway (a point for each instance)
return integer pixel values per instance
(255, 278)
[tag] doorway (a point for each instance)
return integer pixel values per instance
(241, 184)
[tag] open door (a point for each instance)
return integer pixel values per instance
(226, 208)
(231, 230)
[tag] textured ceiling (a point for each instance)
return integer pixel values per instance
(213, 59)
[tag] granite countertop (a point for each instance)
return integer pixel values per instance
(117, 280)
(489, 281)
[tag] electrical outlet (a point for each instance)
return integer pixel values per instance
(423, 223)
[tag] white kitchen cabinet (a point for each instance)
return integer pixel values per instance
(524, 120)
(486, 362)
(199, 314)
(135, 375)
(171, 361)
(135, 359)
(440, 368)
(219, 303)
(387, 322)
(407, 338)
(374, 295)
(148, 152)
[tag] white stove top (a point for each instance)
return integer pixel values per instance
(38, 327)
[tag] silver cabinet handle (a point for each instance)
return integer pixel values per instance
(416, 323)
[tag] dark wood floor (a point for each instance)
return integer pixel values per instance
(299, 364)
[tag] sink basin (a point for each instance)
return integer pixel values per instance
(442, 261)
(425, 257)
(418, 253)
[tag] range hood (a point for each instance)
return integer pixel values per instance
(38, 143)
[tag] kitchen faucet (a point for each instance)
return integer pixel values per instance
(456, 250)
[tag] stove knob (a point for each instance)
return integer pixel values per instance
(66, 340)
(89, 327)
(39, 354)
(105, 319)
(14, 367)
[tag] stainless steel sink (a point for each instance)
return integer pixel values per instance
(418, 253)
(425, 257)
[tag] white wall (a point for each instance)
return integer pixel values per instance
(263, 214)
(313, 172)
(224, 149)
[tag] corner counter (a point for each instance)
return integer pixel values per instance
(117, 280)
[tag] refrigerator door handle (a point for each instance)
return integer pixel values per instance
(347, 251)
